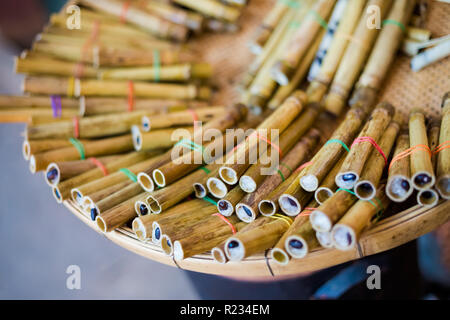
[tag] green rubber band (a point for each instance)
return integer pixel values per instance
(396, 23)
(286, 166)
(338, 141)
(380, 211)
(291, 3)
(129, 174)
(281, 175)
(347, 190)
(208, 199)
(295, 24)
(190, 144)
(206, 170)
(79, 146)
(157, 64)
(319, 19)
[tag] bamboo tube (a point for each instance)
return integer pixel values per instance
(247, 209)
(40, 102)
(47, 85)
(279, 119)
(443, 158)
(133, 14)
(245, 244)
(33, 115)
(366, 187)
(330, 64)
(226, 205)
(430, 56)
(283, 70)
(324, 239)
(269, 205)
(346, 233)
(218, 254)
(102, 147)
(88, 202)
(359, 153)
(354, 58)
(328, 185)
(62, 191)
(422, 173)
(212, 8)
(433, 133)
(31, 147)
(57, 172)
(155, 139)
(216, 187)
(428, 198)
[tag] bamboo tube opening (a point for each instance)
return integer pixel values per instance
(77, 196)
(141, 208)
(324, 239)
(289, 205)
(156, 233)
(32, 164)
(245, 213)
(247, 184)
(166, 245)
(398, 188)
(234, 249)
(82, 102)
(343, 237)
(278, 74)
(146, 123)
(228, 175)
(136, 137)
(87, 204)
(322, 194)
(267, 207)
(346, 180)
(216, 187)
(423, 180)
(145, 181)
(443, 186)
(154, 205)
(365, 190)
(101, 224)
(26, 150)
(52, 174)
(159, 178)
(139, 229)
(279, 256)
(199, 190)
(218, 255)
(94, 211)
(320, 221)
(296, 246)
(57, 194)
(309, 182)
(427, 198)
(178, 253)
(225, 207)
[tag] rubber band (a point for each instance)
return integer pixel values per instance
(319, 19)
(291, 3)
(281, 217)
(395, 23)
(123, 13)
(286, 166)
(410, 151)
(79, 67)
(346, 190)
(442, 146)
(208, 199)
(157, 64)
(352, 39)
(372, 141)
(233, 229)
(190, 144)
(281, 175)
(338, 141)
(130, 96)
(100, 165)
(303, 166)
(129, 174)
(194, 116)
(70, 86)
(56, 106)
(79, 146)
(76, 126)
(206, 170)
(306, 212)
(267, 141)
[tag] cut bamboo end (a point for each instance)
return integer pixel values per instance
(343, 237)
(52, 174)
(139, 229)
(101, 224)
(443, 186)
(77, 196)
(141, 208)
(247, 184)
(324, 239)
(347, 180)
(158, 178)
(296, 246)
(157, 237)
(57, 194)
(219, 255)
(228, 175)
(322, 194)
(26, 150)
(365, 190)
(146, 124)
(289, 205)
(281, 72)
(32, 164)
(399, 188)
(309, 182)
(423, 180)
(87, 204)
(279, 256)
(267, 208)
(320, 221)
(225, 207)
(427, 198)
(199, 190)
(178, 253)
(136, 136)
(145, 182)
(154, 205)
(216, 187)
(234, 249)
(334, 103)
(245, 212)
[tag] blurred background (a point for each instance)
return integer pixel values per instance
(39, 239)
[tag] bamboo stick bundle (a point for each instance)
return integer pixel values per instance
(226, 205)
(62, 191)
(57, 172)
(77, 87)
(422, 173)
(133, 14)
(278, 120)
(443, 162)
(101, 147)
(330, 64)
(247, 208)
(399, 185)
(366, 187)
(283, 70)
(155, 139)
(328, 185)
(269, 206)
(31, 147)
(347, 231)
(212, 8)
(170, 73)
(355, 56)
(360, 151)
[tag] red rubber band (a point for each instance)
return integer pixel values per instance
(303, 166)
(79, 68)
(123, 14)
(372, 141)
(130, 96)
(233, 229)
(194, 116)
(442, 146)
(76, 126)
(267, 141)
(410, 151)
(100, 165)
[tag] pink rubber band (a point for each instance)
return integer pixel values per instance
(372, 141)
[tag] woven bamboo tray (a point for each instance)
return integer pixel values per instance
(403, 88)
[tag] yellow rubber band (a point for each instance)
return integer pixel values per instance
(281, 217)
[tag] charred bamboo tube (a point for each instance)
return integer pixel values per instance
(141, 18)
(77, 87)
(102, 147)
(354, 58)
(283, 70)
(345, 234)
(155, 139)
(212, 8)
(328, 185)
(330, 64)
(62, 191)
(226, 205)
(278, 120)
(422, 173)
(399, 186)
(269, 205)
(366, 187)
(178, 73)
(354, 163)
(443, 158)
(31, 147)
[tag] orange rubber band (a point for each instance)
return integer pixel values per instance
(267, 141)
(194, 116)
(372, 142)
(130, 96)
(233, 229)
(76, 126)
(442, 146)
(410, 151)
(303, 166)
(100, 165)
(306, 212)
(79, 68)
